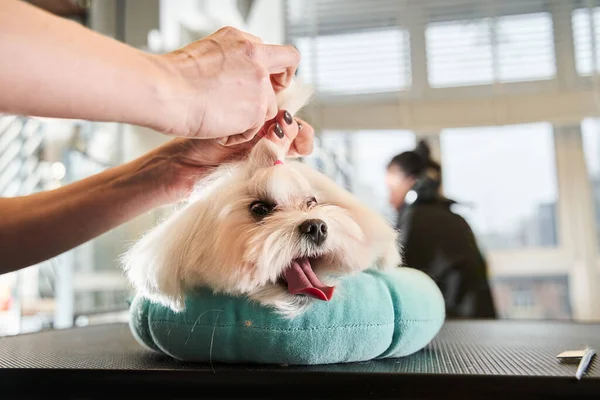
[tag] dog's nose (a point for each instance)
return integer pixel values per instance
(315, 230)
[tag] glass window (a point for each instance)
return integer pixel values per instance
(356, 62)
(590, 131)
(543, 297)
(583, 32)
(525, 47)
(459, 53)
(523, 297)
(505, 179)
(358, 161)
(479, 51)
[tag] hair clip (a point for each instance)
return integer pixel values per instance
(278, 162)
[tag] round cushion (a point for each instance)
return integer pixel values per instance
(373, 315)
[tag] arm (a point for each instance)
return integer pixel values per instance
(37, 227)
(221, 86)
(72, 71)
(60, 7)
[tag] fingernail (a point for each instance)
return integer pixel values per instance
(287, 117)
(299, 125)
(278, 130)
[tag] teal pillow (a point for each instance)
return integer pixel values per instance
(373, 315)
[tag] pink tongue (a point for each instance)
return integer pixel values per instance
(302, 280)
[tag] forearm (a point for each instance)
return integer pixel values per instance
(59, 7)
(73, 72)
(38, 227)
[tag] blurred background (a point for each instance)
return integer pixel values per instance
(505, 92)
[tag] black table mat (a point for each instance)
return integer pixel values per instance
(489, 359)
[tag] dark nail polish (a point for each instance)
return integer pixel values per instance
(299, 126)
(288, 118)
(278, 130)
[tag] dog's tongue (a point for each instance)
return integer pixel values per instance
(301, 279)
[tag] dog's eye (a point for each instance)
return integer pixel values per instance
(261, 209)
(311, 202)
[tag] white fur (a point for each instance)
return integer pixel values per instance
(214, 241)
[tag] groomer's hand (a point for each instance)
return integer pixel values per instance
(224, 86)
(192, 158)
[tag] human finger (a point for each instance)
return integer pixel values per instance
(285, 126)
(272, 106)
(239, 138)
(230, 30)
(281, 57)
(303, 143)
(282, 63)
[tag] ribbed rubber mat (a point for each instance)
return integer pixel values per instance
(505, 348)
(466, 348)
(95, 347)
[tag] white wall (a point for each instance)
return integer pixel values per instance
(183, 21)
(266, 21)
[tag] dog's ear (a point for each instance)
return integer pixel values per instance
(153, 264)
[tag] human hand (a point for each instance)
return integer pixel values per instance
(224, 85)
(190, 159)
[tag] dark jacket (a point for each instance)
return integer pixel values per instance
(440, 243)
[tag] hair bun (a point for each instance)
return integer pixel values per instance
(423, 150)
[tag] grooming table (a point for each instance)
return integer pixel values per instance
(487, 359)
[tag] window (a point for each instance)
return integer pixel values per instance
(353, 47)
(523, 297)
(480, 51)
(459, 53)
(356, 62)
(533, 297)
(361, 160)
(525, 47)
(505, 179)
(586, 49)
(590, 131)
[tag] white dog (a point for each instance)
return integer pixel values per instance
(274, 230)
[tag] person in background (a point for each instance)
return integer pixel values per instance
(436, 240)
